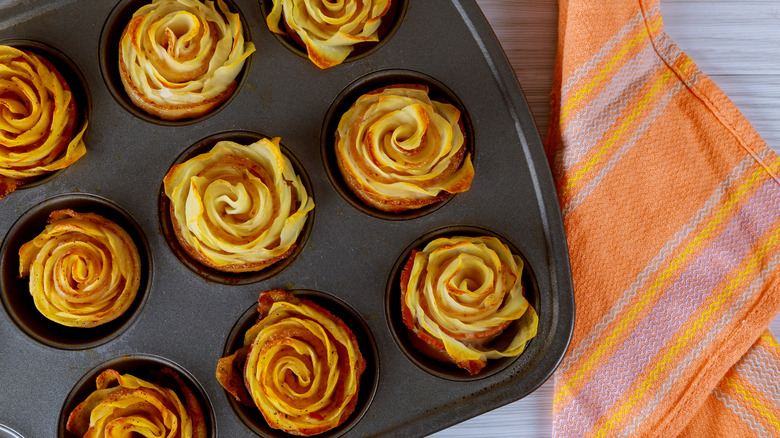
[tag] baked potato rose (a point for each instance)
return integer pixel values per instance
(238, 208)
(125, 405)
(180, 58)
(84, 269)
(300, 365)
(399, 150)
(38, 119)
(459, 293)
(328, 29)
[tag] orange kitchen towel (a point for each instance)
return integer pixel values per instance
(671, 203)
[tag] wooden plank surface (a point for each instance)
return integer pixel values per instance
(735, 42)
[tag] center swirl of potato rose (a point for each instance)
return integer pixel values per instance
(303, 368)
(125, 405)
(238, 208)
(397, 149)
(38, 118)
(329, 29)
(180, 58)
(459, 293)
(84, 269)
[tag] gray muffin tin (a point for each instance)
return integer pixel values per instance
(350, 256)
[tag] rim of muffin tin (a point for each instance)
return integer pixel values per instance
(140, 365)
(232, 278)
(14, 291)
(437, 91)
(406, 340)
(7, 432)
(252, 418)
(78, 87)
(108, 53)
(386, 30)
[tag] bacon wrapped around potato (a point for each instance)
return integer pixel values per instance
(180, 58)
(38, 119)
(300, 365)
(459, 293)
(399, 150)
(328, 29)
(84, 269)
(238, 208)
(124, 405)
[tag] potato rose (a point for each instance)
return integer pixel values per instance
(398, 150)
(38, 117)
(328, 29)
(300, 365)
(238, 208)
(84, 269)
(459, 293)
(124, 405)
(180, 58)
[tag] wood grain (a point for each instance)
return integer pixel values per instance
(735, 42)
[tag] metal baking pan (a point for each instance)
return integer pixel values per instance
(186, 318)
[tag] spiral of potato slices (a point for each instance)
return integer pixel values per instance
(124, 405)
(459, 293)
(302, 367)
(328, 28)
(180, 58)
(399, 150)
(38, 117)
(84, 269)
(238, 208)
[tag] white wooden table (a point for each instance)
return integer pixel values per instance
(735, 42)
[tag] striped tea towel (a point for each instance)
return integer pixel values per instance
(671, 203)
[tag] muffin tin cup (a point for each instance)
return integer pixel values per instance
(143, 366)
(390, 24)
(251, 417)
(110, 36)
(414, 348)
(232, 278)
(78, 87)
(342, 103)
(15, 292)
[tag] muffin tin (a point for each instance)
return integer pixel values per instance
(186, 317)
